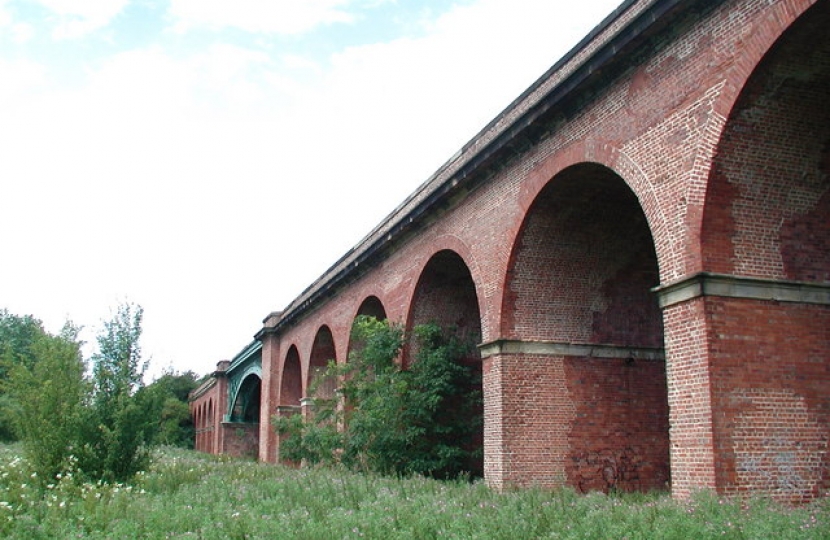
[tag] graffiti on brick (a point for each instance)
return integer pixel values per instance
(779, 444)
(608, 470)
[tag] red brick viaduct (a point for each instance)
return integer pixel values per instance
(641, 242)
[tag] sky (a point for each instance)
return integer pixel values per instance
(209, 159)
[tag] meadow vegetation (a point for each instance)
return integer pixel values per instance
(184, 494)
(382, 459)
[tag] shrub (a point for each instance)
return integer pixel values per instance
(48, 397)
(18, 335)
(117, 426)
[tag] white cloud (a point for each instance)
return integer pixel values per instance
(212, 187)
(77, 18)
(20, 78)
(259, 16)
(22, 32)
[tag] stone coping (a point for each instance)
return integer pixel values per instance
(553, 348)
(729, 286)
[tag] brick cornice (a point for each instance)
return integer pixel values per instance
(554, 348)
(729, 286)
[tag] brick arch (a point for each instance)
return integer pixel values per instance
(452, 244)
(446, 294)
(322, 352)
(372, 306)
(291, 380)
(199, 436)
(208, 426)
(609, 155)
(569, 196)
(765, 236)
(767, 203)
(756, 46)
(579, 321)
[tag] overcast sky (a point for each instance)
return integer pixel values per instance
(209, 159)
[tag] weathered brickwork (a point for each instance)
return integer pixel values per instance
(619, 438)
(625, 240)
(206, 411)
(241, 439)
(533, 420)
(585, 265)
(770, 396)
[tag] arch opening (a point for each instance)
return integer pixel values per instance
(322, 352)
(291, 384)
(372, 307)
(247, 404)
(446, 295)
(585, 328)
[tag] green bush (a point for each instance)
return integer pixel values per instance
(47, 397)
(117, 426)
(388, 420)
(167, 407)
(18, 335)
(100, 427)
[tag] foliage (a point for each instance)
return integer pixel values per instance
(389, 420)
(117, 426)
(189, 495)
(48, 398)
(18, 335)
(167, 398)
(100, 427)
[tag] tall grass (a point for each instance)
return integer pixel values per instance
(188, 495)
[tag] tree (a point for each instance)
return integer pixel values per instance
(117, 427)
(168, 397)
(18, 335)
(390, 420)
(47, 396)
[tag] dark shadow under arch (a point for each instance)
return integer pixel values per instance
(322, 352)
(248, 401)
(291, 385)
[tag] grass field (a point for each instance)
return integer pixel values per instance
(189, 495)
